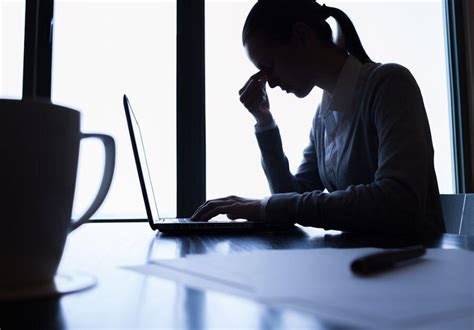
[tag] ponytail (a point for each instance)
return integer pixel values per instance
(347, 37)
(276, 19)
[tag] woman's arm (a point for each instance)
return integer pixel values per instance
(276, 167)
(254, 97)
(278, 174)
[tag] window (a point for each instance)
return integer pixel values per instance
(408, 33)
(102, 50)
(105, 48)
(12, 31)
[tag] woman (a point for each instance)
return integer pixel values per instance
(370, 142)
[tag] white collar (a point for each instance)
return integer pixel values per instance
(341, 98)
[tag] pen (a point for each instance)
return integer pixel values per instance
(380, 261)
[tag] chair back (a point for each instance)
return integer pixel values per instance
(458, 213)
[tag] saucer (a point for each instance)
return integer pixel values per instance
(62, 284)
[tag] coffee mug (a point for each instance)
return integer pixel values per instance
(39, 150)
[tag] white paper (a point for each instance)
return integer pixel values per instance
(439, 287)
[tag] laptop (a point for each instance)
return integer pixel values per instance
(180, 225)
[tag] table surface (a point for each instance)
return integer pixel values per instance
(125, 299)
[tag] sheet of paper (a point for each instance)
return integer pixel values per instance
(439, 286)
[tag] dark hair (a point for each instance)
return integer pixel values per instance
(276, 19)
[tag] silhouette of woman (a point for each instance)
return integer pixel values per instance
(370, 142)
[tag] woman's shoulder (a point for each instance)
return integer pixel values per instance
(388, 84)
(389, 72)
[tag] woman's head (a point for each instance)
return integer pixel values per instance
(285, 37)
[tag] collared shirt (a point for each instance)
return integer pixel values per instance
(337, 111)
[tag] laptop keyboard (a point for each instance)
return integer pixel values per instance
(221, 218)
(176, 220)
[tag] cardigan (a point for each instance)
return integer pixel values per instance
(370, 147)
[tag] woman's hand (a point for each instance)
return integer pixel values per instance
(254, 97)
(235, 208)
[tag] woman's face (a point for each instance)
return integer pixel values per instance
(286, 64)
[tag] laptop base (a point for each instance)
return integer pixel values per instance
(199, 227)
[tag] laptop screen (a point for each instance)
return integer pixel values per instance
(141, 162)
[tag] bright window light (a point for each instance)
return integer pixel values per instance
(101, 50)
(12, 36)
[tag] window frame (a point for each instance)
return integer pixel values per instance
(190, 93)
(190, 107)
(38, 47)
(459, 94)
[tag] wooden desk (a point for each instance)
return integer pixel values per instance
(125, 299)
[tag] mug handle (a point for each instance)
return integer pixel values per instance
(109, 168)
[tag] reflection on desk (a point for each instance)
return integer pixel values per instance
(126, 299)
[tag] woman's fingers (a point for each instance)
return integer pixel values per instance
(211, 213)
(250, 94)
(242, 90)
(253, 86)
(204, 208)
(254, 97)
(258, 79)
(254, 78)
(259, 103)
(212, 204)
(251, 99)
(235, 207)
